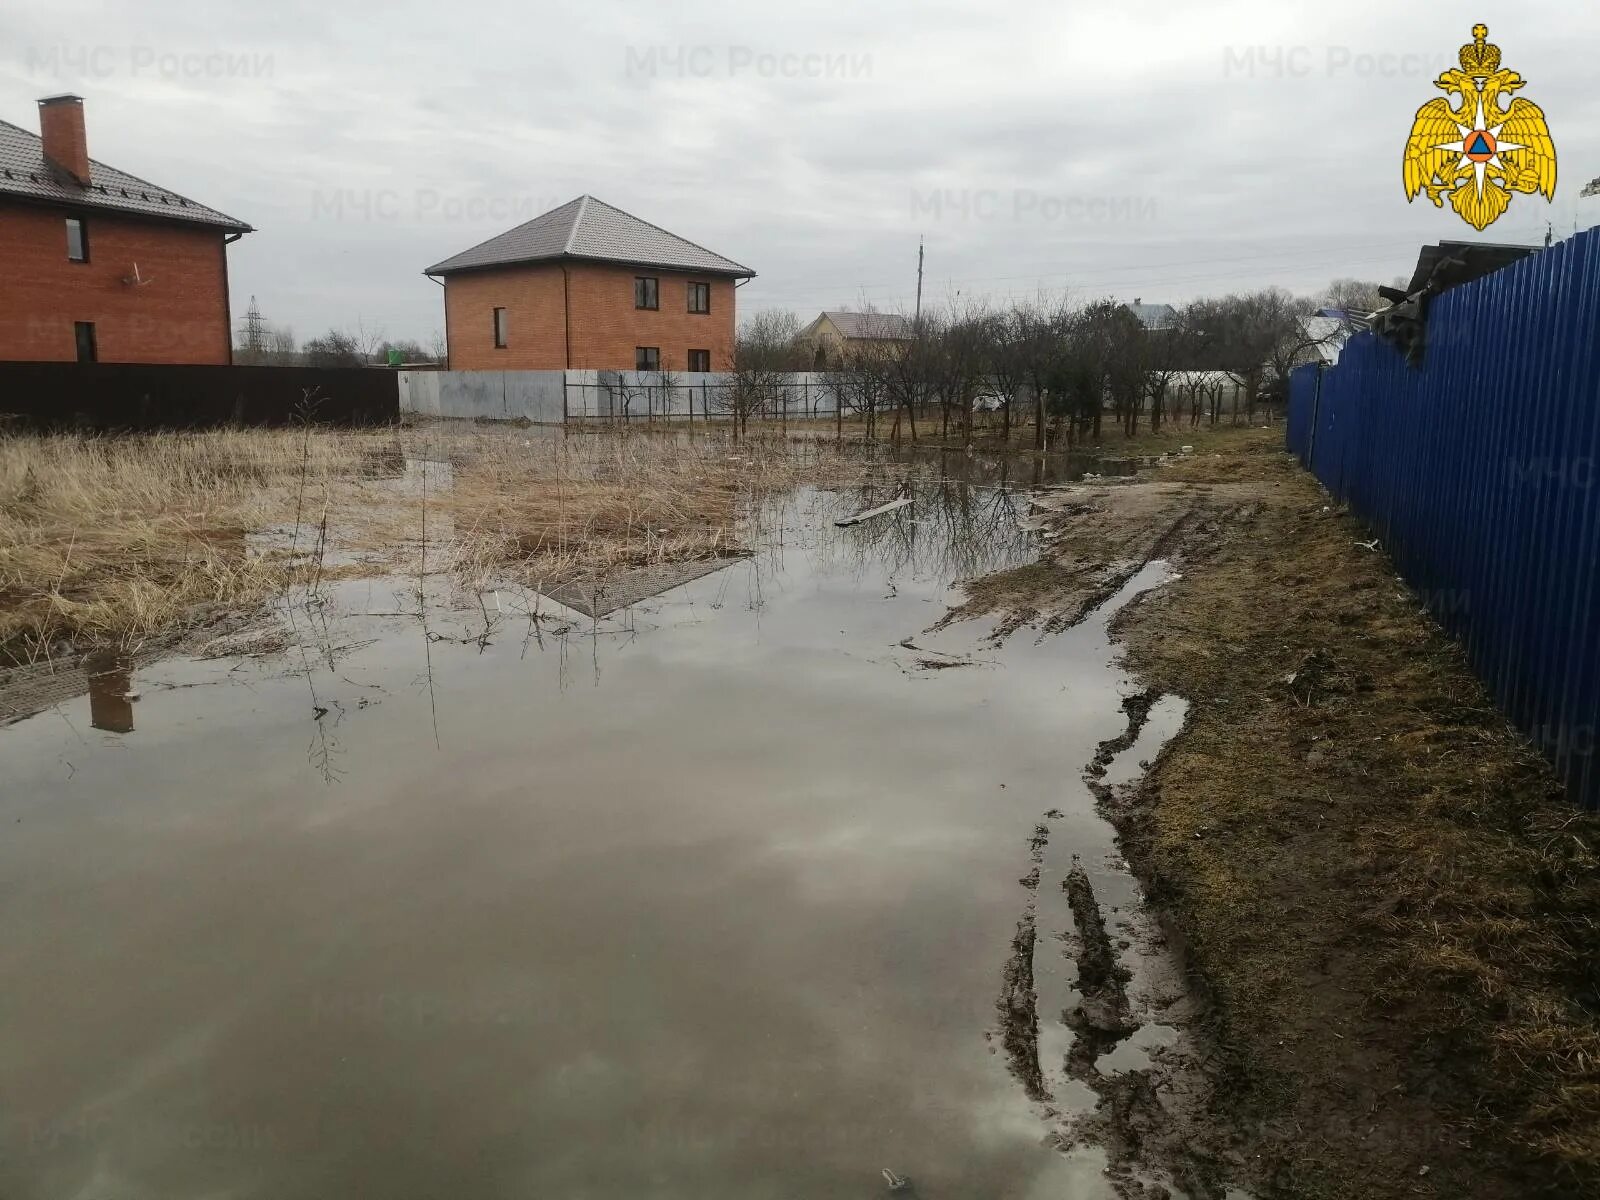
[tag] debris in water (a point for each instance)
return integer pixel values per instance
(897, 1183)
(874, 512)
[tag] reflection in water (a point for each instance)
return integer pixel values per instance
(110, 691)
(724, 924)
(952, 532)
(1016, 468)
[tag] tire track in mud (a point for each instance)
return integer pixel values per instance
(1102, 1019)
(1147, 1144)
(1138, 707)
(1019, 1001)
(1032, 596)
(1143, 1118)
(1117, 579)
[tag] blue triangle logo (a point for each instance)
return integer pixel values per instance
(1480, 145)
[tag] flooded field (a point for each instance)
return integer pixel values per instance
(755, 888)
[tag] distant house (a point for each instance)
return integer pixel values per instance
(836, 337)
(1153, 316)
(100, 265)
(1323, 336)
(587, 286)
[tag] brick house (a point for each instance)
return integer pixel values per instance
(588, 286)
(100, 265)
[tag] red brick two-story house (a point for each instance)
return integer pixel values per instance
(588, 286)
(100, 265)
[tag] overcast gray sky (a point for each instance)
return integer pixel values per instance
(1160, 149)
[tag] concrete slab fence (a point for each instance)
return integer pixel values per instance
(554, 397)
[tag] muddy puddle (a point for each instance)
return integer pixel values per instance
(752, 889)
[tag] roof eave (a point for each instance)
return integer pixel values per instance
(89, 204)
(444, 268)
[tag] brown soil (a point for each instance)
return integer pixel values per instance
(1382, 892)
(1019, 1013)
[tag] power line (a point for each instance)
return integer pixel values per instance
(1289, 263)
(1153, 282)
(1278, 255)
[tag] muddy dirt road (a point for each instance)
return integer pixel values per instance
(755, 889)
(1394, 913)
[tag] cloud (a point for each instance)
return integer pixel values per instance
(1155, 148)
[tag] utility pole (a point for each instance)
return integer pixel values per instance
(918, 321)
(915, 395)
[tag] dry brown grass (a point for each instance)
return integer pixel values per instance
(1397, 910)
(550, 509)
(112, 540)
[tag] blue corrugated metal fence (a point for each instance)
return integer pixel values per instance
(1480, 472)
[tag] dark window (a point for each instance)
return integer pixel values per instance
(699, 297)
(646, 292)
(647, 358)
(77, 239)
(699, 360)
(500, 329)
(84, 332)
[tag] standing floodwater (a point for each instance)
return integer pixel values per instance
(710, 898)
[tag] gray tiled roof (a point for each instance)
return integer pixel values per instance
(593, 229)
(25, 173)
(870, 325)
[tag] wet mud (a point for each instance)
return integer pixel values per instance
(1098, 1024)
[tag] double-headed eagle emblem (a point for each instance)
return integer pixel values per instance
(1479, 153)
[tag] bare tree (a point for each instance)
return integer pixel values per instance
(624, 389)
(764, 351)
(908, 373)
(333, 349)
(1165, 354)
(958, 354)
(281, 350)
(1353, 295)
(1042, 331)
(1007, 364)
(668, 383)
(1107, 346)
(1253, 337)
(367, 340)
(861, 386)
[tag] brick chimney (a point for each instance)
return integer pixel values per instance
(61, 127)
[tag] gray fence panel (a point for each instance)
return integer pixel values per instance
(550, 397)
